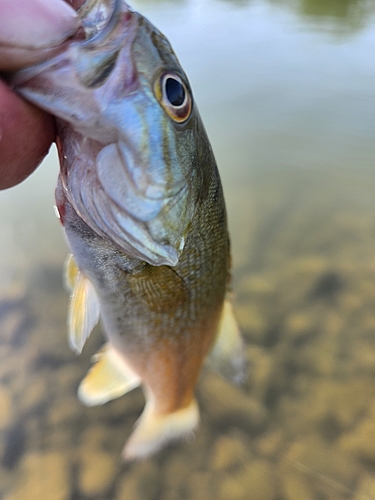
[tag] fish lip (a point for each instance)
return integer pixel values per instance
(76, 42)
(111, 21)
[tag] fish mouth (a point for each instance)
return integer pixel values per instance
(98, 18)
(105, 27)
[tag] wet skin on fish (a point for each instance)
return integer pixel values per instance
(141, 202)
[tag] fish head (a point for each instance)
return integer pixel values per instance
(134, 154)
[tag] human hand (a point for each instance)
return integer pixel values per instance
(28, 30)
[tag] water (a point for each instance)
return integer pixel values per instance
(286, 91)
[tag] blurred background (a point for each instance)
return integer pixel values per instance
(286, 89)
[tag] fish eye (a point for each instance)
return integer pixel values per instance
(173, 96)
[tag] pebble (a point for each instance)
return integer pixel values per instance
(297, 487)
(42, 476)
(6, 408)
(301, 324)
(175, 471)
(64, 410)
(141, 482)
(341, 402)
(332, 471)
(262, 371)
(228, 405)
(35, 393)
(97, 470)
(256, 285)
(199, 486)
(230, 452)
(360, 443)
(269, 444)
(365, 488)
(12, 322)
(257, 480)
(94, 436)
(251, 321)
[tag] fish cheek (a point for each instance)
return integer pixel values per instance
(161, 288)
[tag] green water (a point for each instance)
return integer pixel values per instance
(286, 91)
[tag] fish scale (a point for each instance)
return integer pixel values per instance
(141, 203)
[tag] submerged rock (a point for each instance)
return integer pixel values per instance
(141, 482)
(229, 406)
(230, 452)
(97, 470)
(42, 476)
(6, 408)
(257, 480)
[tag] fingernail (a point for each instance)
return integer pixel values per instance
(36, 23)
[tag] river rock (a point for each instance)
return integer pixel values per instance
(360, 442)
(175, 471)
(42, 476)
(365, 488)
(63, 410)
(97, 469)
(297, 487)
(199, 486)
(141, 482)
(228, 405)
(94, 437)
(328, 406)
(318, 461)
(256, 480)
(6, 408)
(262, 371)
(301, 324)
(269, 444)
(34, 394)
(230, 452)
(252, 322)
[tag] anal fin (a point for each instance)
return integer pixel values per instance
(228, 354)
(109, 378)
(153, 430)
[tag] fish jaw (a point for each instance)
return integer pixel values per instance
(74, 85)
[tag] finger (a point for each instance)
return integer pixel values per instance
(31, 31)
(26, 134)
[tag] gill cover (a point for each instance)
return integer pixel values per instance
(126, 148)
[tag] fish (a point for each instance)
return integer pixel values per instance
(141, 202)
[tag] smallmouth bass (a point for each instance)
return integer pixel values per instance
(141, 202)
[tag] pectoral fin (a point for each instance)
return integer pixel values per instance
(70, 273)
(84, 307)
(109, 378)
(228, 355)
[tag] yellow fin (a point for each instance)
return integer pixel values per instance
(70, 273)
(83, 314)
(228, 354)
(153, 431)
(109, 378)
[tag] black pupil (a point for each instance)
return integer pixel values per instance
(175, 92)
